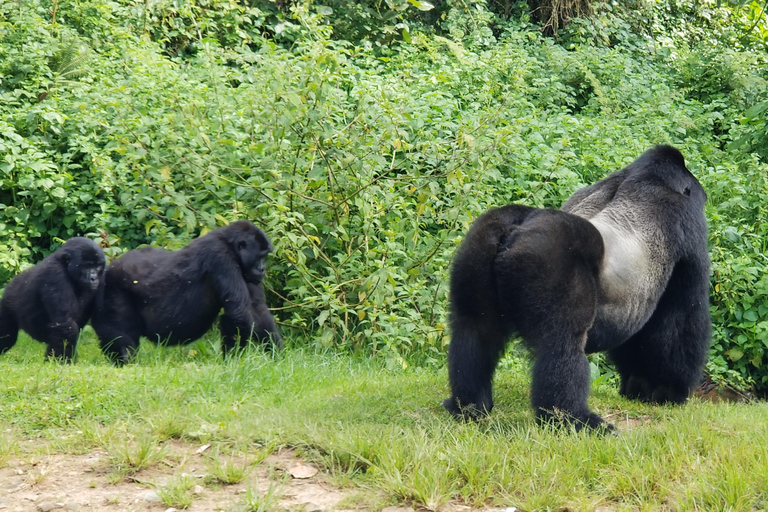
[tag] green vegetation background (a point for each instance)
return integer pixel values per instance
(365, 137)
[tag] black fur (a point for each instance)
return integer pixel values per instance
(53, 300)
(174, 297)
(264, 327)
(623, 268)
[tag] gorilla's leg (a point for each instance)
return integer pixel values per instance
(9, 330)
(264, 327)
(267, 334)
(235, 333)
(561, 378)
(663, 362)
(547, 287)
(534, 272)
(560, 387)
(478, 333)
(118, 326)
(119, 346)
(230, 336)
(62, 340)
(475, 349)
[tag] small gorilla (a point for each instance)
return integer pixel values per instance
(623, 268)
(174, 297)
(53, 300)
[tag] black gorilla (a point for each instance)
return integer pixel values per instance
(174, 297)
(623, 268)
(53, 300)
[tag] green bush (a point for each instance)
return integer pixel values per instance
(365, 162)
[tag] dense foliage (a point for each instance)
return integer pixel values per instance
(365, 137)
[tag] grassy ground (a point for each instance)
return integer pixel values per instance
(384, 430)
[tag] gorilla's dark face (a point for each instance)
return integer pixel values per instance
(253, 260)
(252, 248)
(90, 276)
(89, 272)
(85, 264)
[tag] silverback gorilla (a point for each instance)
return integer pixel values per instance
(174, 297)
(623, 268)
(53, 300)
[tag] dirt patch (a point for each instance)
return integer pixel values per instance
(86, 483)
(623, 421)
(713, 392)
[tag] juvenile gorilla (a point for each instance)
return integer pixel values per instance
(53, 300)
(175, 296)
(623, 268)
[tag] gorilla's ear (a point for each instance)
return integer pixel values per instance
(66, 257)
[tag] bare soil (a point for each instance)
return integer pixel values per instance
(87, 483)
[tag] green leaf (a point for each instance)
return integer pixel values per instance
(421, 5)
(751, 315)
(755, 110)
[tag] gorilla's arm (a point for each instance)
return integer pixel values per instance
(62, 306)
(663, 362)
(264, 327)
(57, 295)
(231, 289)
(228, 283)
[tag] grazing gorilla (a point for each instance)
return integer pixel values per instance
(623, 268)
(175, 296)
(53, 300)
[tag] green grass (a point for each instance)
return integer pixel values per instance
(383, 429)
(177, 492)
(225, 470)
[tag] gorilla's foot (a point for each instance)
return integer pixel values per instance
(590, 421)
(469, 411)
